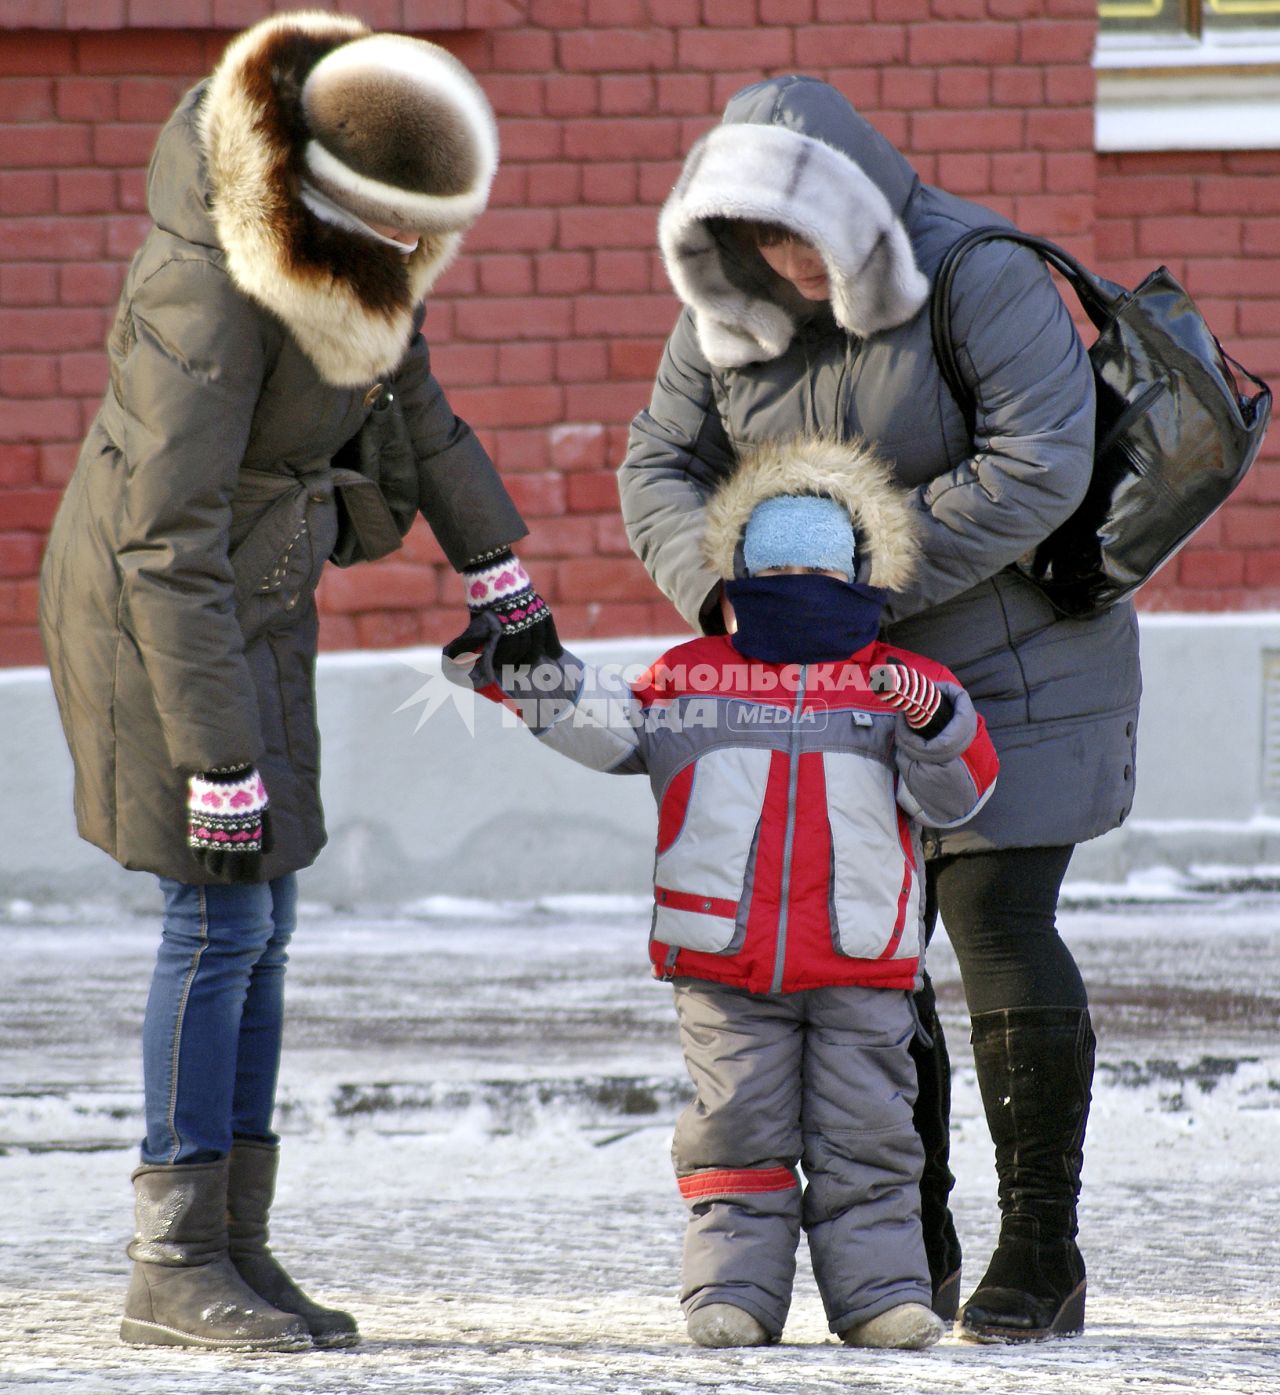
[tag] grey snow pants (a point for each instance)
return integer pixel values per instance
(822, 1079)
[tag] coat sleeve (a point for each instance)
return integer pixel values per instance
(188, 386)
(1034, 428)
(585, 713)
(676, 455)
(945, 780)
(460, 492)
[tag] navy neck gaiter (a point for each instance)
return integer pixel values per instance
(803, 619)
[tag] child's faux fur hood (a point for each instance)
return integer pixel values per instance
(791, 151)
(348, 301)
(849, 472)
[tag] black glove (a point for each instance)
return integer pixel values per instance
(511, 624)
(227, 822)
(926, 708)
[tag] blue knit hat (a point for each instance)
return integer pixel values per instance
(799, 530)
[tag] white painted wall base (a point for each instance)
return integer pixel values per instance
(418, 805)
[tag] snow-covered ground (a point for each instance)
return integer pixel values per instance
(477, 1102)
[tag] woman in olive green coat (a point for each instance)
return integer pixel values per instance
(304, 198)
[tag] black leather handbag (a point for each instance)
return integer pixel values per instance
(1174, 437)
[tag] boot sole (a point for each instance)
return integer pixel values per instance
(1068, 1321)
(335, 1340)
(138, 1333)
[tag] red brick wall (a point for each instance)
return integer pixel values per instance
(547, 330)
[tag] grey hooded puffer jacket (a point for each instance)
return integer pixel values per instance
(177, 593)
(750, 360)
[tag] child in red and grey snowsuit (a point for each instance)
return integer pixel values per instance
(793, 762)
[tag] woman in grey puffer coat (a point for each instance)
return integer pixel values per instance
(803, 246)
(304, 198)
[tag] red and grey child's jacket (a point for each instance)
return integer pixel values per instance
(790, 800)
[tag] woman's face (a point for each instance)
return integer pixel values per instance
(802, 265)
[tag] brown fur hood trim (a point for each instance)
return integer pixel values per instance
(349, 302)
(849, 472)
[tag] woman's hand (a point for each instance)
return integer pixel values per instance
(227, 822)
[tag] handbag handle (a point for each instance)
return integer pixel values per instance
(1102, 299)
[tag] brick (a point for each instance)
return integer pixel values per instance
(20, 646)
(1256, 526)
(28, 375)
(1069, 173)
(618, 50)
(509, 406)
(390, 629)
(506, 275)
(712, 50)
(970, 130)
(786, 11)
(177, 14)
(516, 229)
(558, 14)
(1017, 87)
(1057, 41)
(642, 314)
(965, 42)
(538, 496)
(1238, 195)
(20, 554)
(132, 185)
(842, 11)
(561, 273)
(622, 271)
(523, 51)
(389, 583)
(729, 14)
(57, 460)
(569, 94)
(163, 52)
(1059, 216)
(532, 140)
(1259, 317)
(40, 55)
(868, 44)
(32, 14)
(19, 464)
(29, 284)
(95, 14)
(1208, 567)
(605, 227)
(51, 239)
(26, 193)
(964, 89)
(1145, 196)
(493, 14)
(968, 175)
(428, 16)
(582, 361)
(525, 363)
(952, 10)
(1262, 569)
(578, 445)
(907, 89)
(89, 283)
(1060, 130)
(611, 535)
(1066, 87)
(616, 183)
(48, 329)
(628, 95)
(82, 375)
(675, 14)
(1017, 172)
(86, 191)
(19, 600)
(1231, 278)
(31, 509)
(649, 139)
(121, 144)
(656, 182)
(1192, 237)
(683, 93)
(27, 99)
(551, 539)
(1115, 239)
(503, 318)
(1261, 237)
(337, 632)
(40, 147)
(523, 448)
(634, 359)
(614, 401)
(554, 186)
(125, 234)
(604, 579)
(148, 99)
(515, 96)
(595, 491)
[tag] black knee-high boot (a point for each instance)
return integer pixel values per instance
(1035, 1071)
(933, 1124)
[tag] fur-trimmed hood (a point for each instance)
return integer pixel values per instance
(790, 151)
(849, 472)
(348, 301)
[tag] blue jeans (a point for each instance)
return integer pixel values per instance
(215, 1016)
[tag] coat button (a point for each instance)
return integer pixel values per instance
(706, 905)
(1128, 771)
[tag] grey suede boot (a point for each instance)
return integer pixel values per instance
(251, 1188)
(185, 1292)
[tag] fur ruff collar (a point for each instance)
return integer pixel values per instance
(849, 472)
(348, 302)
(773, 174)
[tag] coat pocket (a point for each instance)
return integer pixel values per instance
(875, 876)
(707, 820)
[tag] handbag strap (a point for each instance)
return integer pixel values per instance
(1101, 299)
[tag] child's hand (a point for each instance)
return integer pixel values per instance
(921, 702)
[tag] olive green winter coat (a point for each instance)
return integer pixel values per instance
(177, 594)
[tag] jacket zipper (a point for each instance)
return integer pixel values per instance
(793, 779)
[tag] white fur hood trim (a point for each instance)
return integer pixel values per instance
(348, 302)
(776, 175)
(849, 472)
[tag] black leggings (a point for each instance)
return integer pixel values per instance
(998, 910)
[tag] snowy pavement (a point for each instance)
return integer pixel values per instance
(477, 1103)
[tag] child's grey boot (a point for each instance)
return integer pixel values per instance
(724, 1325)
